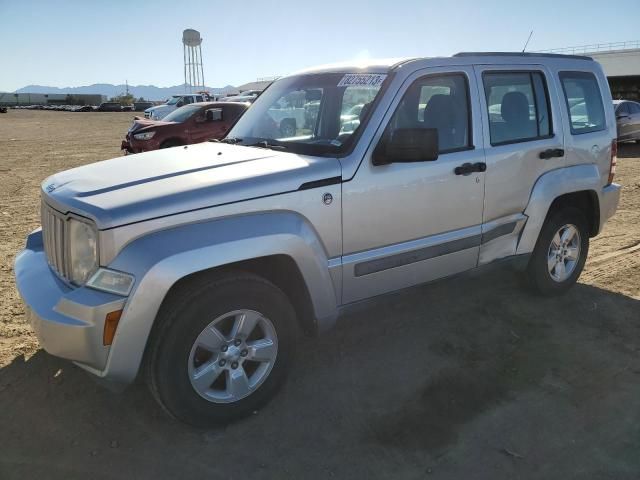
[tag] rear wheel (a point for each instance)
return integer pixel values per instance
(222, 349)
(560, 253)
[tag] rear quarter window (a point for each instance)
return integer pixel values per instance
(584, 102)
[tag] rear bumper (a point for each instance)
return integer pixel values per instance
(69, 322)
(609, 200)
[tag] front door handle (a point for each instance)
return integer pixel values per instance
(551, 152)
(469, 168)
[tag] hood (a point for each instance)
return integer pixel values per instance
(166, 182)
(164, 106)
(147, 124)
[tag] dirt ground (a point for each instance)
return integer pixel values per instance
(469, 378)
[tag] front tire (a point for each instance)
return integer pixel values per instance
(560, 252)
(222, 348)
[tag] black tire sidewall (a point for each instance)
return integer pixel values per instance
(187, 318)
(538, 271)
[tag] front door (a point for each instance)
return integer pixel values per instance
(408, 223)
(200, 129)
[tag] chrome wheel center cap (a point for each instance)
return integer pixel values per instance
(233, 353)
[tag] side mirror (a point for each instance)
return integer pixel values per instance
(213, 114)
(408, 145)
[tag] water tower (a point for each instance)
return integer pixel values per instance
(193, 71)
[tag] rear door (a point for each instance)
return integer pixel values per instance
(523, 139)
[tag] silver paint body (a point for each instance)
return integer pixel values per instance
(166, 214)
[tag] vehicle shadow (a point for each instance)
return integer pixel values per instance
(471, 377)
(629, 150)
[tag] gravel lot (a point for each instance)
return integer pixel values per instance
(469, 378)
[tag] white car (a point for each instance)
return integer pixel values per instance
(160, 111)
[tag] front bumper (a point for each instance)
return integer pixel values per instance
(69, 322)
(126, 146)
(609, 200)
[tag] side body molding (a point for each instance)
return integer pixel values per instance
(546, 189)
(160, 259)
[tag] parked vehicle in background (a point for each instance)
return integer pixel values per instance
(351, 119)
(176, 101)
(3, 109)
(109, 107)
(246, 96)
(202, 263)
(627, 120)
(190, 124)
(127, 108)
(142, 106)
(83, 108)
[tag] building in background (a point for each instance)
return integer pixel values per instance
(11, 99)
(259, 84)
(621, 64)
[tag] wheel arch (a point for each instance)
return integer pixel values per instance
(175, 141)
(280, 246)
(586, 201)
(576, 186)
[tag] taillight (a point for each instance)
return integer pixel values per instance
(614, 161)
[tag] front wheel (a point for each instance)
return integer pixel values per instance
(222, 348)
(560, 252)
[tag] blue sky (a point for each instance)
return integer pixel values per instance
(72, 43)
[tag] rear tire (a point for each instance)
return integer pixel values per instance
(192, 373)
(560, 252)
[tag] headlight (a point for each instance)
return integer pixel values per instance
(111, 281)
(83, 250)
(144, 136)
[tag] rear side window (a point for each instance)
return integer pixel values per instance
(584, 102)
(518, 106)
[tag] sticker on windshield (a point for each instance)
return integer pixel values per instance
(362, 80)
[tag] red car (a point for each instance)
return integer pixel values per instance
(193, 123)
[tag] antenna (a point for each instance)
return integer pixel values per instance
(527, 43)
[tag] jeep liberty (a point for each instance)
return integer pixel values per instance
(196, 266)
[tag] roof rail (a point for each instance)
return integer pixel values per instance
(520, 54)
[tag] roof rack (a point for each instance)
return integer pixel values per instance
(520, 54)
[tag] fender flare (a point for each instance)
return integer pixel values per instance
(550, 186)
(160, 259)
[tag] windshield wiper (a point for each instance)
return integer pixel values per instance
(270, 145)
(230, 140)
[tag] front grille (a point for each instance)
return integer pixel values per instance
(54, 238)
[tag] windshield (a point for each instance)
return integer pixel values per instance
(181, 114)
(314, 114)
(173, 100)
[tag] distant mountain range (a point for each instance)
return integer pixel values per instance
(148, 92)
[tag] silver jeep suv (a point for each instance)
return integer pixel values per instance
(196, 266)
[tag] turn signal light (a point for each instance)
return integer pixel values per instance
(110, 326)
(614, 161)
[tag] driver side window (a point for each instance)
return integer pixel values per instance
(440, 102)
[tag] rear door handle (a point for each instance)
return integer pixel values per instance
(469, 168)
(551, 152)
